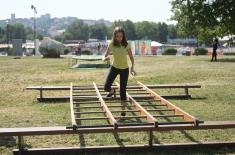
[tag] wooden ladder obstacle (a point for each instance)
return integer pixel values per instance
(145, 107)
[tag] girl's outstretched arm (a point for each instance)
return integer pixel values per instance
(132, 61)
(106, 55)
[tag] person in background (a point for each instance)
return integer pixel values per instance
(214, 47)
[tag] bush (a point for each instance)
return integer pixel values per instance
(188, 53)
(170, 51)
(66, 51)
(200, 51)
(229, 53)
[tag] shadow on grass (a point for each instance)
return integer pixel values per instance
(124, 121)
(188, 136)
(8, 141)
(118, 139)
(229, 60)
(198, 98)
(226, 60)
(191, 98)
(81, 137)
(82, 140)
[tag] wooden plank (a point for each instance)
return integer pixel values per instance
(59, 130)
(91, 102)
(152, 105)
(116, 111)
(66, 98)
(108, 114)
(186, 117)
(143, 112)
(48, 88)
(179, 115)
(90, 118)
(87, 107)
(129, 117)
(71, 106)
(87, 87)
(187, 85)
(136, 89)
(89, 112)
(84, 95)
(128, 149)
(138, 93)
(117, 106)
(160, 109)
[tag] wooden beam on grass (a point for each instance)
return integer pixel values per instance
(71, 106)
(108, 114)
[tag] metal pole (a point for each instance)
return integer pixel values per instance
(34, 35)
(7, 36)
(34, 27)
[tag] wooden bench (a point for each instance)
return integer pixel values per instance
(62, 130)
(41, 98)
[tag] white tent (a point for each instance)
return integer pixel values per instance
(227, 38)
(154, 43)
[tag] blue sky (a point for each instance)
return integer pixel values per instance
(135, 10)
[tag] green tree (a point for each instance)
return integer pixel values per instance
(29, 33)
(147, 30)
(98, 31)
(162, 32)
(203, 17)
(128, 26)
(2, 35)
(78, 30)
(172, 31)
(17, 31)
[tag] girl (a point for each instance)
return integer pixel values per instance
(119, 48)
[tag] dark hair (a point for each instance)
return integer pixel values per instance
(124, 40)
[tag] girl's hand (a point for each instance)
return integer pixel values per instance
(106, 58)
(133, 72)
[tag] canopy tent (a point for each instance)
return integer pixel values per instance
(154, 43)
(227, 38)
(155, 47)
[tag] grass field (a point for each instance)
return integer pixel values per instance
(214, 101)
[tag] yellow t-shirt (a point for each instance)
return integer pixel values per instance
(119, 56)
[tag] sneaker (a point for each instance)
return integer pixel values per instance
(123, 114)
(111, 93)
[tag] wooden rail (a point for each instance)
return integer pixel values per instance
(61, 130)
(108, 114)
(71, 106)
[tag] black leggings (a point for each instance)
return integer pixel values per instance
(124, 73)
(214, 54)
